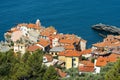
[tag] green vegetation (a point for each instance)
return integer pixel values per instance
(83, 58)
(27, 67)
(114, 72)
(93, 60)
(50, 74)
(73, 72)
(30, 67)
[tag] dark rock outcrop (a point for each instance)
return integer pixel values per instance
(106, 28)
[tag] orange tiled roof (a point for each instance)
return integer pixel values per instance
(87, 63)
(72, 37)
(43, 42)
(48, 31)
(69, 47)
(67, 41)
(116, 44)
(49, 57)
(59, 36)
(86, 68)
(23, 24)
(112, 57)
(51, 29)
(69, 36)
(13, 30)
(33, 48)
(33, 26)
(102, 44)
(61, 53)
(87, 51)
(109, 41)
(70, 53)
(101, 61)
(45, 33)
(117, 37)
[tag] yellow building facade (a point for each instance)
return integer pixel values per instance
(71, 59)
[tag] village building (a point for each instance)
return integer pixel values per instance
(16, 35)
(47, 32)
(86, 67)
(70, 57)
(44, 44)
(56, 50)
(87, 53)
(105, 48)
(19, 47)
(103, 61)
(33, 48)
(47, 58)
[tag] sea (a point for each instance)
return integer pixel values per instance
(67, 16)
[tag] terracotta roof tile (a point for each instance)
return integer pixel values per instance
(59, 36)
(86, 68)
(109, 41)
(43, 42)
(69, 47)
(70, 53)
(87, 51)
(67, 41)
(14, 29)
(62, 53)
(45, 33)
(33, 26)
(49, 57)
(48, 31)
(87, 63)
(102, 44)
(33, 48)
(101, 61)
(112, 57)
(23, 24)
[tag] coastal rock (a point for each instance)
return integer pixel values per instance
(106, 28)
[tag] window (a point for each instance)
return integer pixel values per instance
(52, 53)
(73, 59)
(56, 53)
(74, 64)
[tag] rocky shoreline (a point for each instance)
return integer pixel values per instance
(106, 28)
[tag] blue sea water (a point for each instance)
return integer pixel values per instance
(67, 16)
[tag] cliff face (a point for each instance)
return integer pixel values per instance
(106, 28)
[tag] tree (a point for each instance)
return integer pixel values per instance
(35, 63)
(93, 60)
(7, 61)
(26, 67)
(50, 74)
(20, 72)
(114, 72)
(25, 57)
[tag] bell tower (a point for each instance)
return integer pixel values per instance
(38, 22)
